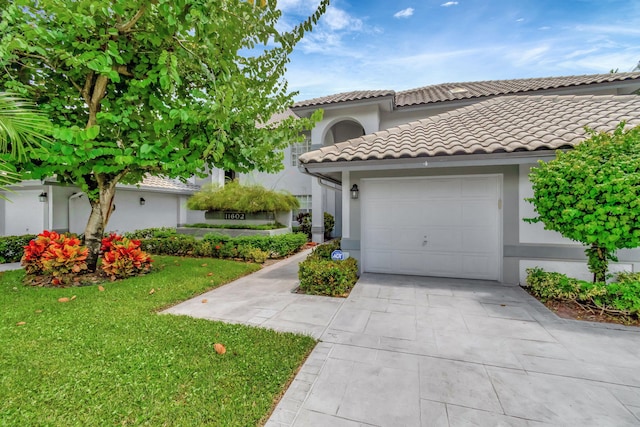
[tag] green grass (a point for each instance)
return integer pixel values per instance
(107, 358)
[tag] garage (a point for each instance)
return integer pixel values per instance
(433, 226)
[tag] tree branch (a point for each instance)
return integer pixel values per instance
(126, 27)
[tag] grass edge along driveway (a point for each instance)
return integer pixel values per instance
(107, 358)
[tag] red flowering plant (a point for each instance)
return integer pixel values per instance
(56, 255)
(122, 257)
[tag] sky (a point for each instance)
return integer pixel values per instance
(405, 44)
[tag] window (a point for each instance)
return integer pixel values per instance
(305, 205)
(298, 149)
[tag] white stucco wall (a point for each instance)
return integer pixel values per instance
(24, 213)
(159, 210)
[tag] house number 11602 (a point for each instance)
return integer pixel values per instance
(234, 215)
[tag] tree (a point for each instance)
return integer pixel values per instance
(591, 194)
(22, 128)
(158, 87)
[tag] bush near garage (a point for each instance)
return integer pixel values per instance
(320, 275)
(12, 247)
(621, 297)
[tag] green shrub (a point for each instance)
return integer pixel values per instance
(235, 197)
(249, 253)
(274, 226)
(222, 246)
(278, 246)
(148, 233)
(304, 221)
(325, 277)
(627, 277)
(324, 251)
(329, 223)
(178, 244)
(12, 247)
(622, 297)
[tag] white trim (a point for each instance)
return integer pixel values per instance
(500, 218)
(346, 205)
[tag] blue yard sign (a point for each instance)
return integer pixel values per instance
(337, 255)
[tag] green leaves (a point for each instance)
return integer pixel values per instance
(590, 194)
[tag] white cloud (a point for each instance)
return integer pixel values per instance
(545, 28)
(449, 3)
(404, 13)
(301, 6)
(338, 19)
(519, 19)
(521, 56)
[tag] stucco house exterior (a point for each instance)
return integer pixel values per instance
(442, 171)
(34, 206)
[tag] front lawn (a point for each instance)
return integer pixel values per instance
(107, 358)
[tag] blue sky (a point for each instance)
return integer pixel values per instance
(404, 44)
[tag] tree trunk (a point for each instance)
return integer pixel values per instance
(598, 262)
(101, 209)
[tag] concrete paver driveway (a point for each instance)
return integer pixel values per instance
(414, 351)
(417, 351)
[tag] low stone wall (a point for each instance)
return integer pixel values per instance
(232, 232)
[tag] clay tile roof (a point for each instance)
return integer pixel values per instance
(167, 184)
(454, 91)
(500, 124)
(344, 97)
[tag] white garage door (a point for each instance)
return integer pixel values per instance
(445, 226)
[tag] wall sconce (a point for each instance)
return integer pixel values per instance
(43, 197)
(142, 201)
(354, 192)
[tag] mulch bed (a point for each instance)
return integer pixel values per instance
(572, 310)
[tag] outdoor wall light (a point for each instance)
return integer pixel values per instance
(354, 192)
(43, 197)
(142, 201)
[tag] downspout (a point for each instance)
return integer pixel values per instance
(73, 196)
(50, 208)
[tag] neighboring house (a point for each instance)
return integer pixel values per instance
(443, 194)
(354, 114)
(35, 206)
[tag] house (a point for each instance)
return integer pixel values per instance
(34, 206)
(353, 114)
(442, 171)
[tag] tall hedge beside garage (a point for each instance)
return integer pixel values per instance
(320, 275)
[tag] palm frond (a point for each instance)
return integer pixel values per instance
(22, 126)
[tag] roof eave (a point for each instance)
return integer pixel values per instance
(388, 100)
(458, 160)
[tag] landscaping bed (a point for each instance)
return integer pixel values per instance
(615, 302)
(105, 357)
(575, 311)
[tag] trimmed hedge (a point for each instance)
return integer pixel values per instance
(253, 248)
(325, 277)
(320, 275)
(12, 247)
(148, 233)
